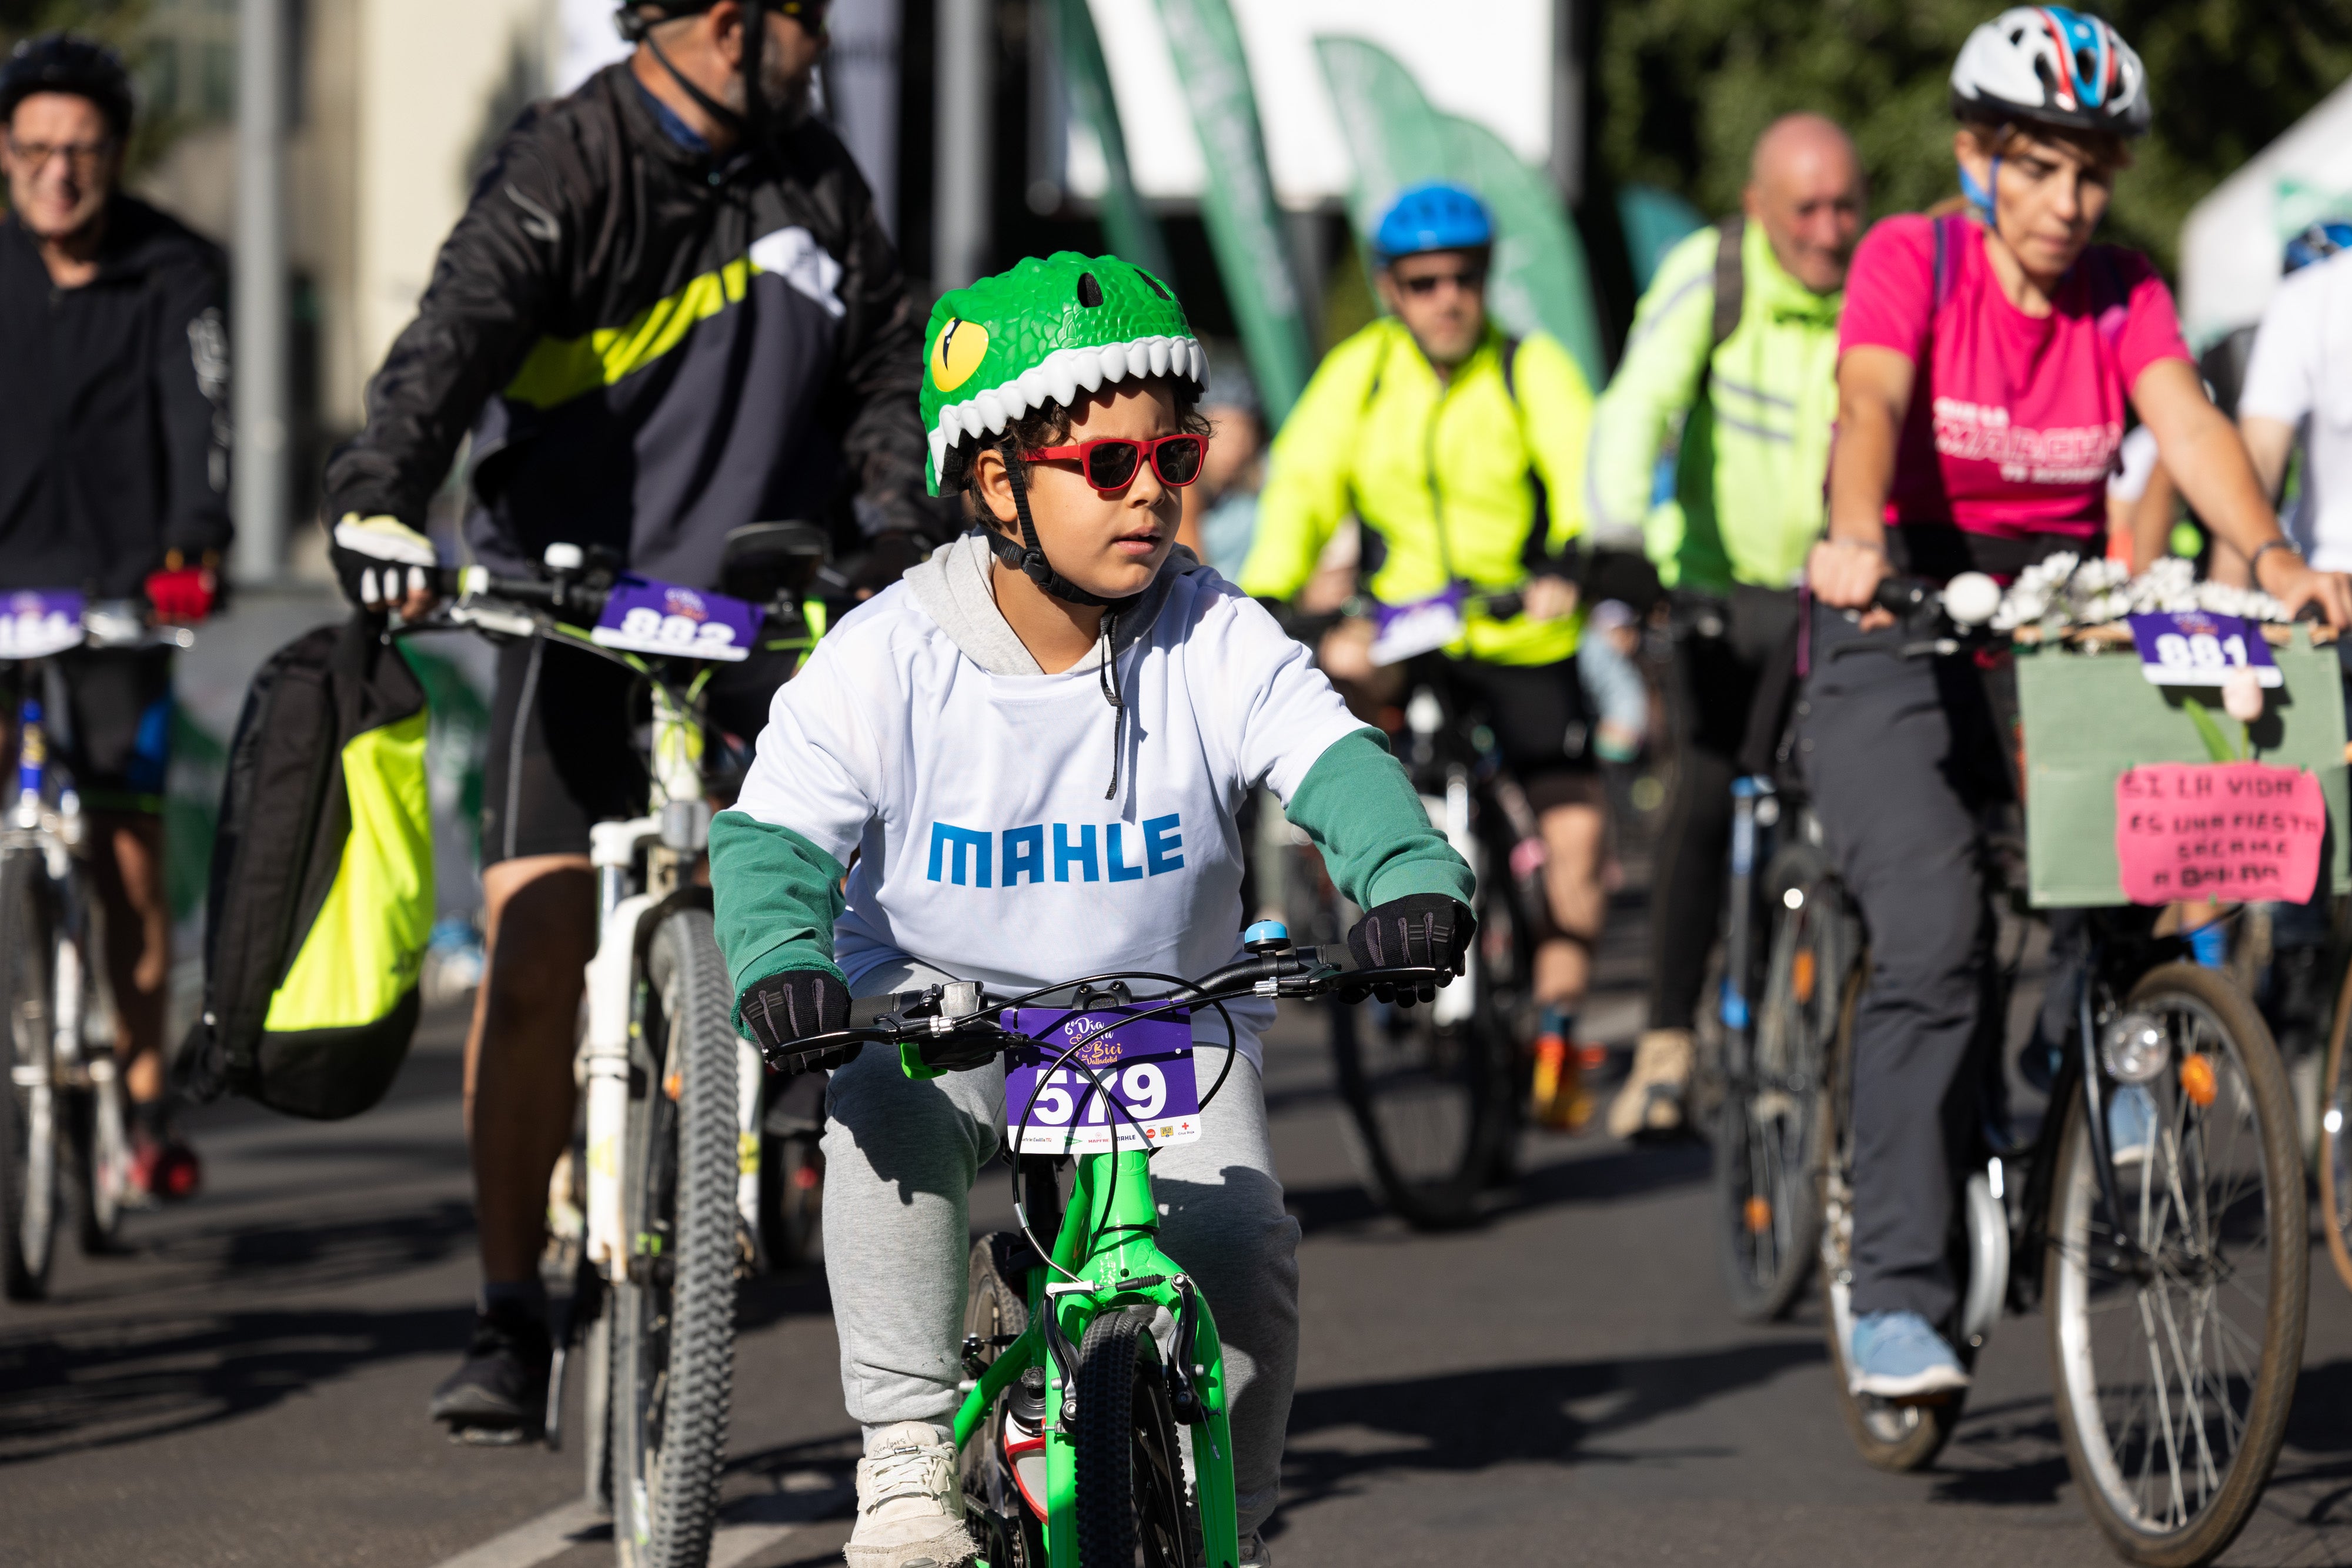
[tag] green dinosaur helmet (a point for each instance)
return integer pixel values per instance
(1045, 332)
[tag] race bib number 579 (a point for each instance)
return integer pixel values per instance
(1100, 1077)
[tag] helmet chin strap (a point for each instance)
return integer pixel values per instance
(1028, 558)
(750, 123)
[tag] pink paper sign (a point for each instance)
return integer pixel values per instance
(2232, 830)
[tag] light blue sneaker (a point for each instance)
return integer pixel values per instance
(2131, 1123)
(1896, 1356)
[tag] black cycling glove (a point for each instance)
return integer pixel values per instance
(1422, 930)
(793, 1005)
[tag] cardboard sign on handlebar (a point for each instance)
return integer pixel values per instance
(2232, 830)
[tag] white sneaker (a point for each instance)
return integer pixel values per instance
(1254, 1552)
(909, 1505)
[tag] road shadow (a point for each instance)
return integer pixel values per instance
(311, 1255)
(130, 1382)
(1600, 1176)
(1470, 1421)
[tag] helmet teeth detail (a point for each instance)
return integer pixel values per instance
(1050, 330)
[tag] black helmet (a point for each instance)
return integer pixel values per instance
(66, 62)
(636, 20)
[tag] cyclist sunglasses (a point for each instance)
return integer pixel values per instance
(1469, 280)
(1112, 463)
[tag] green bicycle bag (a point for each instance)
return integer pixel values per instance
(321, 888)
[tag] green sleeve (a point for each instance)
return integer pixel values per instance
(1360, 810)
(1655, 384)
(1556, 403)
(1307, 491)
(775, 898)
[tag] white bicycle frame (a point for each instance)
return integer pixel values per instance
(679, 821)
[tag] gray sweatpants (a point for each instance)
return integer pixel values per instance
(900, 1159)
(1901, 754)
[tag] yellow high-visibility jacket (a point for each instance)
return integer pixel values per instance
(1461, 480)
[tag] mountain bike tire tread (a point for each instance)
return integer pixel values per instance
(683, 961)
(1117, 1360)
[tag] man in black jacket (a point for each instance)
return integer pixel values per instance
(667, 311)
(113, 483)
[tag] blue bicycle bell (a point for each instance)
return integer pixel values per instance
(1266, 936)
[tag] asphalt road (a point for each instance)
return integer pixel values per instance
(246, 1383)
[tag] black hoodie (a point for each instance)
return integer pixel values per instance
(652, 347)
(114, 432)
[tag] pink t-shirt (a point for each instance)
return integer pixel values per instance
(2014, 425)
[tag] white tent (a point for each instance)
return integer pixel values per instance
(2230, 245)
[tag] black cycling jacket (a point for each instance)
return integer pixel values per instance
(652, 347)
(114, 434)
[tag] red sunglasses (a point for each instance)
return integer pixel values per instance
(1112, 463)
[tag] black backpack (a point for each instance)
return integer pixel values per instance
(321, 897)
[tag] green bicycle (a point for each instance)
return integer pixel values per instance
(1085, 1440)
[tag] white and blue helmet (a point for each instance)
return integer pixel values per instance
(2048, 65)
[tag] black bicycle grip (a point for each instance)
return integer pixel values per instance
(1906, 595)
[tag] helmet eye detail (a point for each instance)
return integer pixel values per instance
(1090, 294)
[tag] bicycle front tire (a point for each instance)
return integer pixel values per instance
(1768, 1136)
(1133, 1510)
(28, 1121)
(674, 1315)
(2172, 1377)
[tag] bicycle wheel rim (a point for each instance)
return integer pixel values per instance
(28, 1143)
(2174, 1374)
(1427, 1102)
(1768, 1180)
(2335, 1142)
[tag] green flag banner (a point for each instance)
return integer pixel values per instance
(1128, 226)
(1245, 225)
(1539, 280)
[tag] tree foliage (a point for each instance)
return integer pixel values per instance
(1685, 86)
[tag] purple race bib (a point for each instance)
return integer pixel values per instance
(38, 622)
(2192, 648)
(1144, 1063)
(647, 617)
(1400, 631)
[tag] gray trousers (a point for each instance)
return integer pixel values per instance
(1901, 756)
(900, 1159)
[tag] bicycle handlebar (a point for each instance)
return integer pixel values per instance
(955, 1026)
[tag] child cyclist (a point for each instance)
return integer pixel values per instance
(1026, 758)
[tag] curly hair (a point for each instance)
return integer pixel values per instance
(1048, 425)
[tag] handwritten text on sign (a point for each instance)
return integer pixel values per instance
(2218, 829)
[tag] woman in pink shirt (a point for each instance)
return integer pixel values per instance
(1984, 362)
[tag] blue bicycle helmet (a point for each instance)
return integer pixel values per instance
(1435, 216)
(2317, 243)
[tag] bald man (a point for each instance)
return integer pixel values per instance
(1730, 376)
